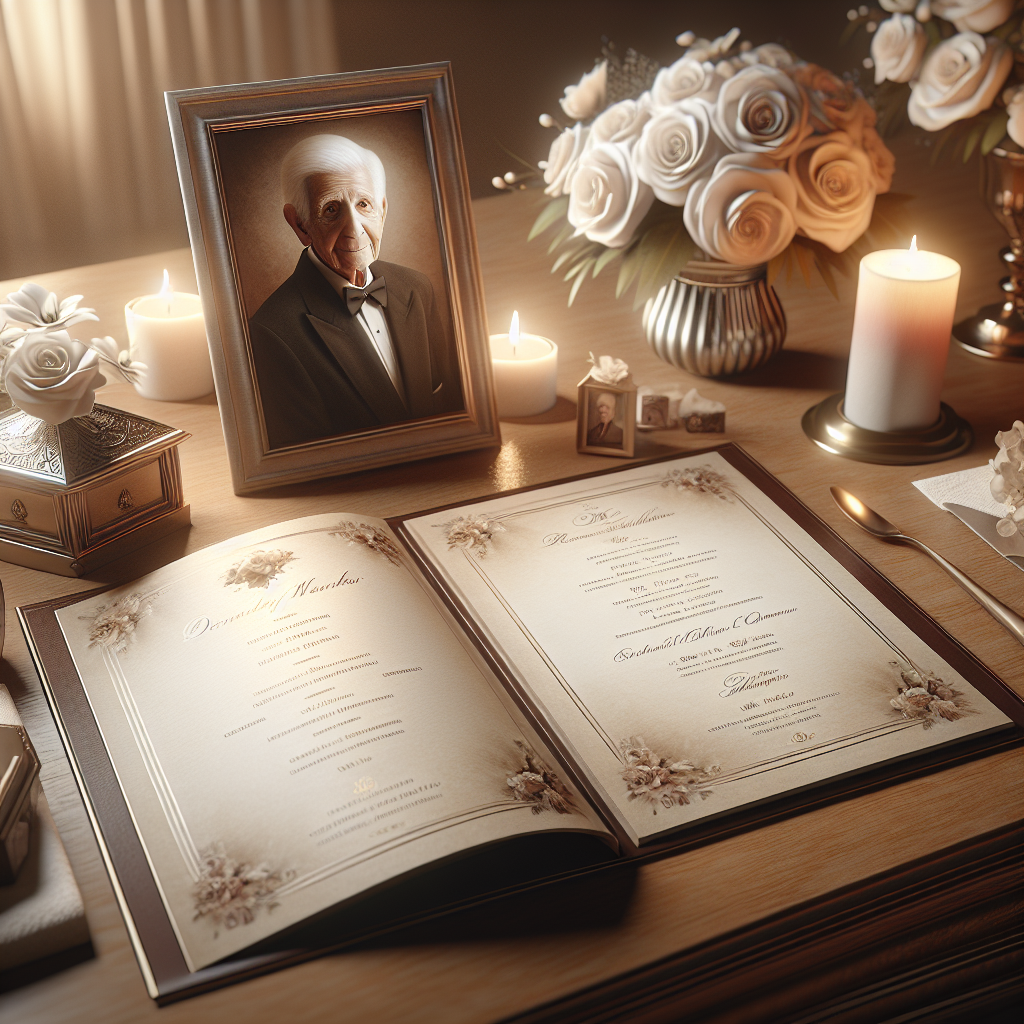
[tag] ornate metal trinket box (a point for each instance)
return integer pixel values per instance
(86, 491)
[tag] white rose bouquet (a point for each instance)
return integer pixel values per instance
(736, 153)
(953, 67)
(47, 373)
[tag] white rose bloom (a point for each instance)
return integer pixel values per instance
(743, 213)
(899, 6)
(897, 48)
(622, 121)
(958, 79)
(1015, 111)
(973, 15)
(562, 159)
(771, 54)
(586, 98)
(607, 200)
(686, 78)
(835, 186)
(761, 110)
(678, 146)
(52, 377)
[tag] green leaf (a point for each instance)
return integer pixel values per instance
(776, 263)
(631, 260)
(972, 140)
(554, 210)
(563, 233)
(563, 257)
(604, 259)
(994, 132)
(803, 260)
(577, 267)
(826, 275)
(667, 248)
(581, 277)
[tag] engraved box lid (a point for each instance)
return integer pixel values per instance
(73, 453)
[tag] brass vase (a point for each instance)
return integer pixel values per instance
(997, 331)
(715, 319)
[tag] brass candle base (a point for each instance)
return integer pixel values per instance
(828, 428)
(993, 332)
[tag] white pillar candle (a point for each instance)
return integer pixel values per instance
(901, 331)
(167, 334)
(525, 372)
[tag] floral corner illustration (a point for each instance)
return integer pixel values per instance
(373, 537)
(258, 569)
(471, 533)
(702, 479)
(656, 780)
(536, 784)
(923, 697)
(232, 893)
(113, 626)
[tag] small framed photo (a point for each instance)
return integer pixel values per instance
(337, 265)
(605, 417)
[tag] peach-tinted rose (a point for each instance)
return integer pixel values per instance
(897, 48)
(973, 15)
(835, 186)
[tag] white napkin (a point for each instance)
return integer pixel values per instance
(968, 487)
(41, 912)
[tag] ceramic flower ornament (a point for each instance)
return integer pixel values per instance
(47, 373)
(32, 307)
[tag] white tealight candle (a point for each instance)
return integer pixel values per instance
(525, 372)
(167, 334)
(901, 331)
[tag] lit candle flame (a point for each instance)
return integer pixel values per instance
(513, 331)
(913, 244)
(165, 291)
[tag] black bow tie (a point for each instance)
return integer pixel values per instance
(355, 297)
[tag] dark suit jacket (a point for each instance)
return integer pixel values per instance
(612, 436)
(318, 372)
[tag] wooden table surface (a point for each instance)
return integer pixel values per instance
(676, 903)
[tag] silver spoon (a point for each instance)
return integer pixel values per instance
(871, 521)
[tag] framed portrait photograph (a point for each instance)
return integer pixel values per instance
(333, 240)
(605, 418)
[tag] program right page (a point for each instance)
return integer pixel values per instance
(689, 643)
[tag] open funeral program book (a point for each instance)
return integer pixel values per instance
(314, 709)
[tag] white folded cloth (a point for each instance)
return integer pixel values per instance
(41, 912)
(968, 487)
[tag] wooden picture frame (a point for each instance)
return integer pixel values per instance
(606, 417)
(302, 391)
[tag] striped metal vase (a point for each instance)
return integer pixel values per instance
(715, 319)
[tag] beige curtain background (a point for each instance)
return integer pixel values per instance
(86, 167)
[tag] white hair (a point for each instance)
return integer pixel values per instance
(325, 154)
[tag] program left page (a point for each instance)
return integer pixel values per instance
(292, 722)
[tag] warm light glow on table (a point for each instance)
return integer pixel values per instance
(901, 333)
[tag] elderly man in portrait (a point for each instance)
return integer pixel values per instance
(348, 342)
(605, 433)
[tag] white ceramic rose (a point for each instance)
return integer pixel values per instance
(677, 147)
(761, 110)
(973, 15)
(51, 376)
(1015, 115)
(958, 79)
(897, 48)
(622, 121)
(899, 6)
(33, 307)
(1007, 485)
(563, 158)
(835, 186)
(745, 212)
(607, 200)
(586, 98)
(683, 79)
